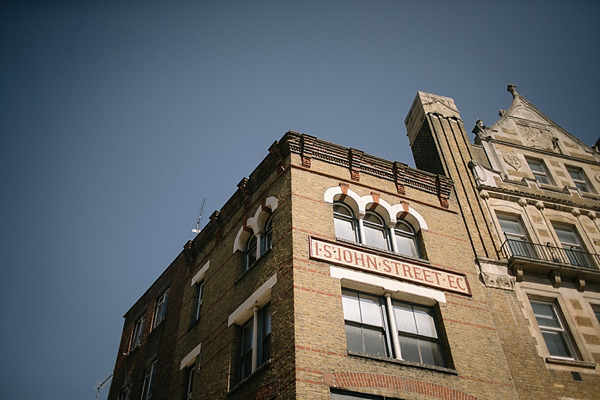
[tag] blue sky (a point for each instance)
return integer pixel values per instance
(118, 117)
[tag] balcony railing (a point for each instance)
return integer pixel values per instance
(574, 257)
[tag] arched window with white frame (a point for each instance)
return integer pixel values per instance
(250, 252)
(406, 239)
(376, 233)
(346, 226)
(267, 237)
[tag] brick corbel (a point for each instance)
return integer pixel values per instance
(355, 157)
(399, 170)
(444, 189)
(307, 145)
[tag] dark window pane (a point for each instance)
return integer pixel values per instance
(374, 342)
(430, 352)
(409, 347)
(354, 338)
(557, 346)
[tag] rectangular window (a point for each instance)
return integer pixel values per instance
(365, 323)
(553, 329)
(573, 249)
(516, 237)
(417, 334)
(369, 328)
(161, 309)
(540, 172)
(138, 330)
(148, 385)
(126, 394)
(199, 291)
(255, 341)
(579, 179)
(189, 383)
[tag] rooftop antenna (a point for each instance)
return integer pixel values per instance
(100, 384)
(200, 212)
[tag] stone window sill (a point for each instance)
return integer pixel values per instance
(445, 370)
(571, 363)
(254, 264)
(243, 382)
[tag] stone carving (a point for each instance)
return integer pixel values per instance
(597, 177)
(538, 138)
(498, 281)
(513, 160)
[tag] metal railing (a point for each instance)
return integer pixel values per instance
(573, 256)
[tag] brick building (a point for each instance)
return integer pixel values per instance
(334, 274)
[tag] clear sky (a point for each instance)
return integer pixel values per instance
(118, 117)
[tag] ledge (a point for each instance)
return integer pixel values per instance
(435, 368)
(571, 363)
(250, 268)
(264, 366)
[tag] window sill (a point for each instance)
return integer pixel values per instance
(405, 363)
(244, 381)
(384, 251)
(570, 363)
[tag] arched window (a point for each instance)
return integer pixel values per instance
(376, 233)
(345, 223)
(267, 238)
(406, 239)
(250, 253)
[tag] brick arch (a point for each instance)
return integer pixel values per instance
(351, 380)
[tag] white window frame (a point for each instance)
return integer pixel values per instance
(126, 394)
(249, 311)
(576, 252)
(267, 236)
(160, 311)
(541, 173)
(391, 333)
(360, 225)
(562, 329)
(148, 383)
(525, 249)
(409, 236)
(138, 331)
(581, 182)
(199, 294)
(189, 382)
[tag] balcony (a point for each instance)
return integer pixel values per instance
(546, 259)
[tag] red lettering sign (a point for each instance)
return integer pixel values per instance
(349, 256)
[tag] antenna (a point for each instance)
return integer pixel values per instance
(100, 384)
(200, 212)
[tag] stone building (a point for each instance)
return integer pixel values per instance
(528, 191)
(335, 274)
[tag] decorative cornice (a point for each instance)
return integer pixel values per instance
(359, 162)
